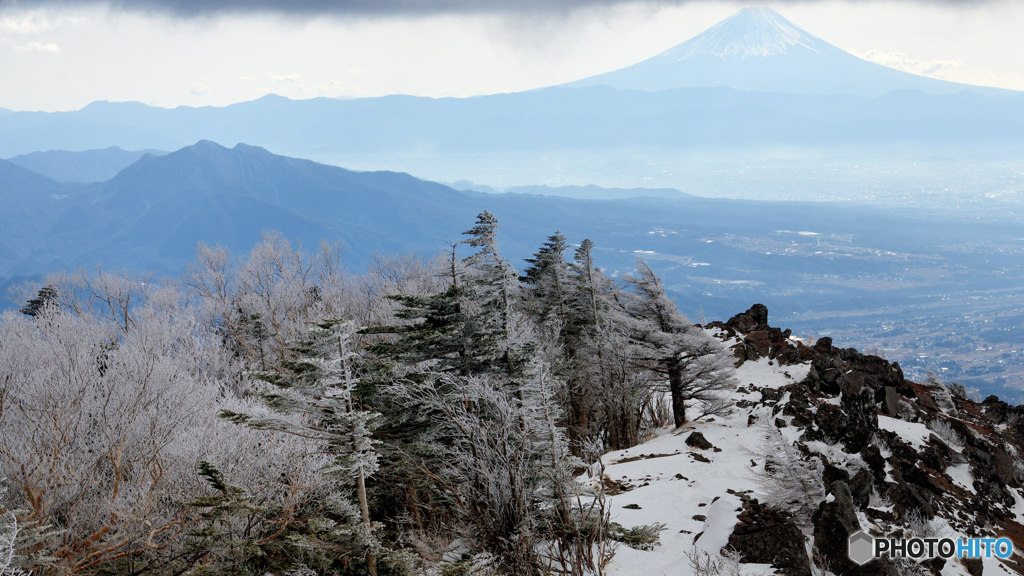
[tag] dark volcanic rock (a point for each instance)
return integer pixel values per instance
(973, 565)
(873, 457)
(891, 402)
(823, 345)
(832, 474)
(907, 497)
(697, 440)
(861, 487)
(938, 456)
(766, 536)
(834, 522)
(831, 422)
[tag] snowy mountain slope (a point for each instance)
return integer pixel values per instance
(940, 465)
(757, 49)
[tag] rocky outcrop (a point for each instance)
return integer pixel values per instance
(893, 480)
(767, 536)
(697, 440)
(834, 521)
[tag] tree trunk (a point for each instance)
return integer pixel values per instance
(364, 509)
(675, 386)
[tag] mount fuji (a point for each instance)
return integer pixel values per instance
(758, 50)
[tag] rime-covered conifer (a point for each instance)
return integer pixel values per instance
(696, 366)
(319, 386)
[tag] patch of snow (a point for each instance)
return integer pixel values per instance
(912, 433)
(961, 474)
(767, 373)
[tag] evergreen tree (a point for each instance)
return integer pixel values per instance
(606, 392)
(490, 282)
(46, 297)
(319, 386)
(696, 366)
(546, 280)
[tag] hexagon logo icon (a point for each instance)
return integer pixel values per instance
(861, 547)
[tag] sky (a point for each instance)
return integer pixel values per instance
(63, 54)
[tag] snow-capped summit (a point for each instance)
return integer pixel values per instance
(758, 50)
(749, 32)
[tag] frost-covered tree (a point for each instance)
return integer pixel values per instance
(546, 281)
(318, 385)
(100, 430)
(263, 301)
(790, 480)
(510, 475)
(697, 367)
(607, 390)
(46, 297)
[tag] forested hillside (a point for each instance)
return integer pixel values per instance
(271, 413)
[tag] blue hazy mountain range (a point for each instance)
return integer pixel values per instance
(948, 283)
(754, 82)
(84, 166)
(818, 265)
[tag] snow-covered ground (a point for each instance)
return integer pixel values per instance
(665, 481)
(697, 501)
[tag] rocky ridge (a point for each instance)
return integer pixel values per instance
(884, 455)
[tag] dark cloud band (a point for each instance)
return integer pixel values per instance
(191, 8)
(194, 8)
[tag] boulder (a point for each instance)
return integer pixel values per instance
(891, 402)
(767, 536)
(823, 345)
(834, 522)
(697, 440)
(861, 486)
(831, 422)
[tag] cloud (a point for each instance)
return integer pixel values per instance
(949, 70)
(38, 47)
(900, 61)
(283, 78)
(32, 22)
(306, 8)
(199, 89)
(49, 47)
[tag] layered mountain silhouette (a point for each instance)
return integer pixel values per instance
(715, 254)
(85, 166)
(754, 80)
(759, 50)
(153, 213)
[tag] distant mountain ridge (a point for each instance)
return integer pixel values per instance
(754, 81)
(758, 50)
(85, 166)
(716, 255)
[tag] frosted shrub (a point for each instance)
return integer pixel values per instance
(704, 563)
(943, 430)
(8, 536)
(789, 480)
(921, 527)
(101, 429)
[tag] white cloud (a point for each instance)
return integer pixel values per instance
(285, 77)
(31, 46)
(36, 22)
(354, 71)
(199, 89)
(905, 63)
(949, 70)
